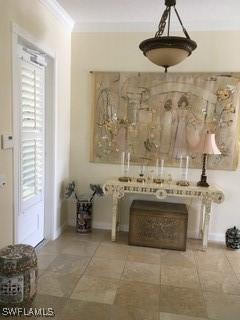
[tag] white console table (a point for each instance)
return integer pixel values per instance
(206, 195)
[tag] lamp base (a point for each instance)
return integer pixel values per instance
(203, 182)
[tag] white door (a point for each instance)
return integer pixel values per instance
(30, 218)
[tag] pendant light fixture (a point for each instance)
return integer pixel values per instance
(167, 51)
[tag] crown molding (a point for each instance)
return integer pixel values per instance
(57, 10)
(217, 25)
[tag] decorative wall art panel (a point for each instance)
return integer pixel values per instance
(157, 115)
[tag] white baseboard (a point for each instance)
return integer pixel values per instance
(59, 231)
(102, 225)
(218, 237)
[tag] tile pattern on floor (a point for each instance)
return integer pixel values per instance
(91, 276)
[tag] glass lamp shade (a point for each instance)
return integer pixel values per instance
(166, 56)
(167, 51)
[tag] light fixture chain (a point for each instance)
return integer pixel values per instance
(169, 20)
(162, 23)
(183, 28)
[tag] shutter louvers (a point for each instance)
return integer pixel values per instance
(32, 130)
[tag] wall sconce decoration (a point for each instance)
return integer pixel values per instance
(167, 51)
(209, 146)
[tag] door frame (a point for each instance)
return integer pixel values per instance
(21, 36)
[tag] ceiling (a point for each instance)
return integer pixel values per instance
(144, 15)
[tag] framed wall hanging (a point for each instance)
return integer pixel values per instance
(157, 115)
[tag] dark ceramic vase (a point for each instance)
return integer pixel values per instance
(233, 238)
(84, 216)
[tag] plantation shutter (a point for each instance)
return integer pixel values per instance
(32, 132)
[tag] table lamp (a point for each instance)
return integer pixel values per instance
(208, 146)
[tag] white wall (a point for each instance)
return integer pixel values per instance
(217, 51)
(46, 29)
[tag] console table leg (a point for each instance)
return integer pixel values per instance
(202, 213)
(114, 216)
(208, 205)
(118, 219)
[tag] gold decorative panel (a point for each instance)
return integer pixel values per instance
(158, 115)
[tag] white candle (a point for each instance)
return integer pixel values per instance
(184, 164)
(142, 170)
(123, 163)
(186, 170)
(157, 168)
(181, 162)
(128, 161)
(162, 168)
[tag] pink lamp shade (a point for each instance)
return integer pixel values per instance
(209, 145)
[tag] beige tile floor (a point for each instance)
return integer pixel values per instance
(88, 277)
